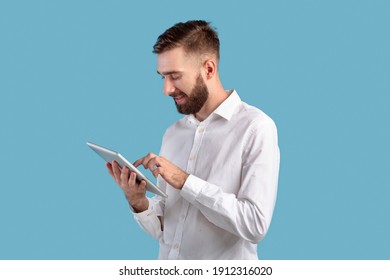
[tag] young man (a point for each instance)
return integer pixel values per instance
(218, 165)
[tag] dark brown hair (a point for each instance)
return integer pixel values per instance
(195, 36)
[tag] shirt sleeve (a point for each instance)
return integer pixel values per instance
(149, 222)
(247, 214)
(149, 219)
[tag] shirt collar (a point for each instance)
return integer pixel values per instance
(229, 106)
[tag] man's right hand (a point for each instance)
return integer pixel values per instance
(135, 192)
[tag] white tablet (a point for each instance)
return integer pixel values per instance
(109, 156)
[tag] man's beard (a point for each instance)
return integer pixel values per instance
(195, 101)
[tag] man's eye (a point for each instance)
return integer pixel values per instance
(175, 77)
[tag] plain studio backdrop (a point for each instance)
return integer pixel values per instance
(77, 71)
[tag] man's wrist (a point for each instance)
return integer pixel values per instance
(183, 180)
(140, 206)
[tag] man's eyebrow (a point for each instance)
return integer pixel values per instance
(168, 73)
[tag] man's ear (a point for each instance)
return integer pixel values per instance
(210, 67)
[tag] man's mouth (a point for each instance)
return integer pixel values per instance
(179, 99)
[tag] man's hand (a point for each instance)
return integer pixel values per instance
(172, 174)
(135, 192)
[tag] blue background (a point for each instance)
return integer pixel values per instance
(77, 71)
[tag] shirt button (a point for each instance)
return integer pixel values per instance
(176, 247)
(200, 130)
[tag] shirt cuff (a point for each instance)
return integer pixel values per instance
(145, 215)
(192, 188)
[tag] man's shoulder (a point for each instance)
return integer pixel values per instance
(252, 115)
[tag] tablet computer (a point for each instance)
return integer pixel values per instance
(110, 155)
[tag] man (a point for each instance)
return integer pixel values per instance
(218, 165)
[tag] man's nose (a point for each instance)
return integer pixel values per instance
(168, 87)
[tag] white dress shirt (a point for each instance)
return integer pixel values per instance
(225, 206)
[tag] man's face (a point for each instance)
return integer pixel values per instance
(183, 80)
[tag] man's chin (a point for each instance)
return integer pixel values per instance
(182, 109)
